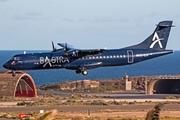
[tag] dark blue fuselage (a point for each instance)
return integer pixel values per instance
(51, 60)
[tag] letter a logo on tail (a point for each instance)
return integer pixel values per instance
(155, 40)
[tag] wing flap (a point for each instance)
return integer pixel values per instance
(93, 65)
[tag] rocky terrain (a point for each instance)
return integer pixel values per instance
(117, 84)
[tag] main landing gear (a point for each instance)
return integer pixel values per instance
(82, 70)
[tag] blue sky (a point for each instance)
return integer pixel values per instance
(33, 24)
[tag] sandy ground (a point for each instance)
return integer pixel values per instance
(123, 114)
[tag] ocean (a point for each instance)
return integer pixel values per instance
(165, 65)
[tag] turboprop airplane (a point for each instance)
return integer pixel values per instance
(80, 60)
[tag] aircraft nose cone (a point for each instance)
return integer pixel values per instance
(5, 65)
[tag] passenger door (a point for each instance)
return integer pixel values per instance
(130, 56)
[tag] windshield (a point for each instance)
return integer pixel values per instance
(16, 58)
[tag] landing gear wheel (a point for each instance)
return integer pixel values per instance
(78, 71)
(84, 72)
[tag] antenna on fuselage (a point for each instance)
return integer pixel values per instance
(24, 52)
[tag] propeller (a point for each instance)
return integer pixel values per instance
(54, 49)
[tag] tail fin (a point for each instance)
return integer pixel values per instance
(158, 39)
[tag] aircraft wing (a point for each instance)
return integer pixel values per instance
(93, 65)
(81, 52)
(67, 46)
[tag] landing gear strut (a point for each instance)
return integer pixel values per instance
(13, 73)
(78, 71)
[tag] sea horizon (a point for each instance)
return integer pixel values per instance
(164, 65)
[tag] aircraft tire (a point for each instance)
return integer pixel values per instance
(78, 71)
(84, 72)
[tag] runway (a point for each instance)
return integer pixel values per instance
(129, 96)
(120, 96)
(169, 107)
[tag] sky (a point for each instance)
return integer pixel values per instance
(85, 24)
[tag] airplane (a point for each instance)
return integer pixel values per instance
(81, 60)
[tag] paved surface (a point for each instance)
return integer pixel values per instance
(125, 95)
(85, 108)
(120, 96)
(5, 119)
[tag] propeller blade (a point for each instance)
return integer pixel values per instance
(54, 49)
(66, 46)
(65, 50)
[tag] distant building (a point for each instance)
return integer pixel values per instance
(128, 84)
(76, 84)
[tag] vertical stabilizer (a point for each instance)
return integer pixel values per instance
(158, 39)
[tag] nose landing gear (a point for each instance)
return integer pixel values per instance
(13, 73)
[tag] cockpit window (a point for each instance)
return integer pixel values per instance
(17, 58)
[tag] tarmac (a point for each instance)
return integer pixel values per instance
(169, 107)
(118, 96)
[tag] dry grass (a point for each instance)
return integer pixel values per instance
(49, 115)
(154, 114)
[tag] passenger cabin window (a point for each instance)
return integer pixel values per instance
(17, 58)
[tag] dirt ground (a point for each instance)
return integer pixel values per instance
(123, 114)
